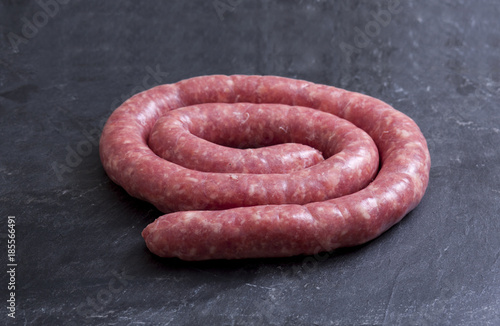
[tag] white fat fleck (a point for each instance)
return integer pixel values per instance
(298, 192)
(247, 116)
(303, 154)
(233, 176)
(189, 215)
(142, 119)
(356, 162)
(391, 196)
(404, 133)
(413, 145)
(287, 157)
(365, 206)
(253, 189)
(257, 216)
(214, 227)
(347, 110)
(184, 120)
(192, 179)
(303, 216)
(365, 214)
(217, 227)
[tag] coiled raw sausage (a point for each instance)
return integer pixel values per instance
(305, 205)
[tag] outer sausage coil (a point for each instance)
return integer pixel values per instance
(282, 200)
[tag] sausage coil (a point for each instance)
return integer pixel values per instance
(264, 166)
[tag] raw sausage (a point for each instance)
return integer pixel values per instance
(320, 207)
(191, 136)
(275, 220)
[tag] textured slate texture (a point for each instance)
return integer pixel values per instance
(64, 67)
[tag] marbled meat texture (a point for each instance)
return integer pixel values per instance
(342, 200)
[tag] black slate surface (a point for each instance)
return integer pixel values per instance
(65, 65)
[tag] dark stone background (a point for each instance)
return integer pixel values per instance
(81, 259)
